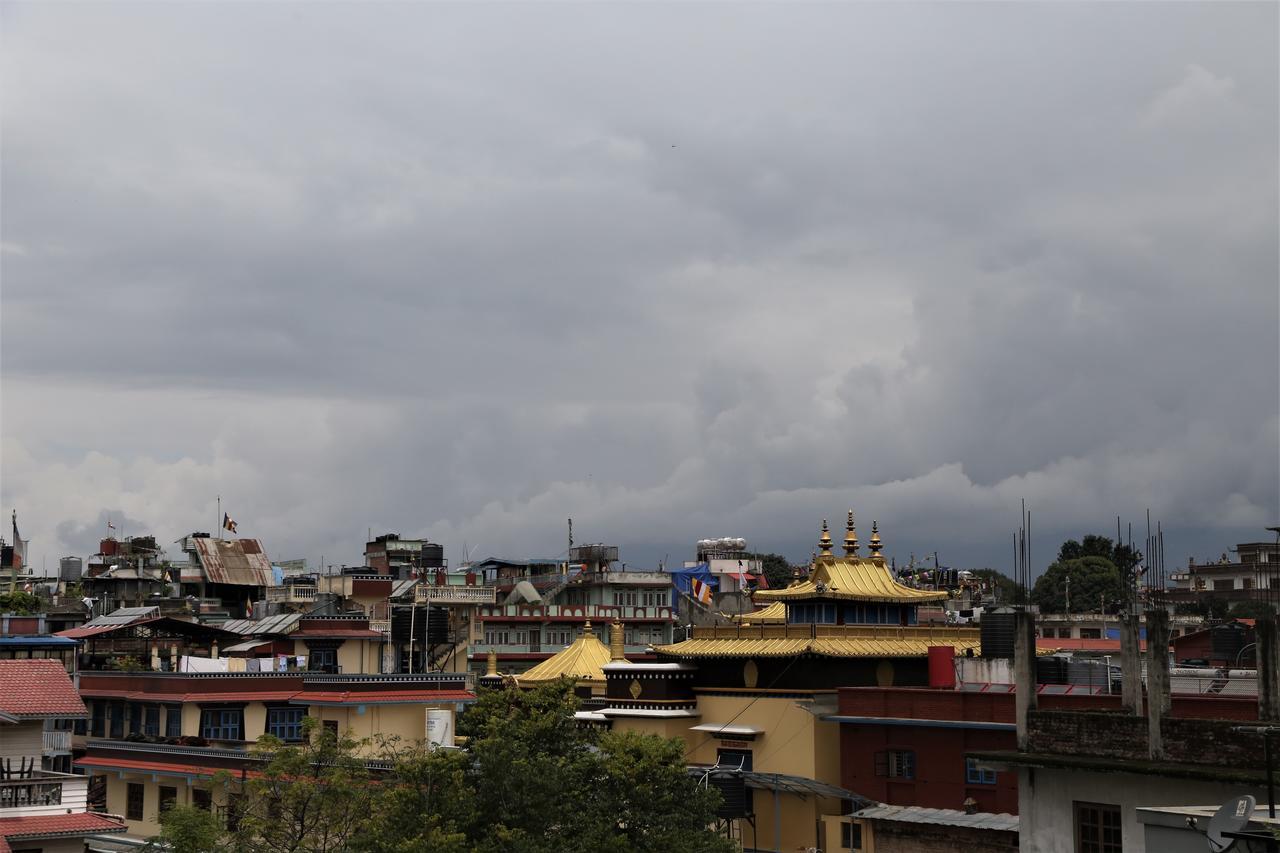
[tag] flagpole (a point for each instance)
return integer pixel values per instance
(219, 528)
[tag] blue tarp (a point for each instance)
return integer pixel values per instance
(682, 581)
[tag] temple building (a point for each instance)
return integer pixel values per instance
(752, 699)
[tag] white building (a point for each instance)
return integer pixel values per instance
(41, 811)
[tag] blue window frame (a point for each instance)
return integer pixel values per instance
(222, 723)
(285, 723)
(975, 775)
(173, 721)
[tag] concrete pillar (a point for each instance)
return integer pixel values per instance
(1130, 666)
(1268, 639)
(155, 657)
(173, 657)
(1157, 679)
(1024, 670)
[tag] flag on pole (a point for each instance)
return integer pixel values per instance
(110, 526)
(228, 523)
(701, 591)
(19, 546)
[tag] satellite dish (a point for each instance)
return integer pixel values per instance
(1231, 817)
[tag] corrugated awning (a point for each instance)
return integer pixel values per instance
(247, 646)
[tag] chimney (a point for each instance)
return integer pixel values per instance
(1157, 679)
(1024, 669)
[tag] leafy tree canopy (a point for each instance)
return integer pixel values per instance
(20, 603)
(528, 780)
(1252, 609)
(1007, 590)
(1095, 581)
(775, 568)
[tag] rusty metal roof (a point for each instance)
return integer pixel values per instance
(233, 561)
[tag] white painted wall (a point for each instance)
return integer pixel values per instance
(1046, 802)
(23, 740)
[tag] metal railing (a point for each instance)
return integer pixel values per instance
(383, 625)
(291, 593)
(42, 788)
(57, 741)
(451, 594)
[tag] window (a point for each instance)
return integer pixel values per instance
(323, 659)
(896, 764)
(1247, 583)
(222, 723)
(330, 727)
(1091, 633)
(975, 775)
(201, 799)
(1097, 828)
(285, 723)
(1224, 583)
(134, 798)
(168, 798)
(117, 719)
(135, 718)
(851, 836)
(151, 721)
(98, 719)
(173, 721)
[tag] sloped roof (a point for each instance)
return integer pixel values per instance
(776, 612)
(233, 561)
(944, 817)
(56, 825)
(583, 660)
(33, 689)
(833, 647)
(281, 623)
(853, 579)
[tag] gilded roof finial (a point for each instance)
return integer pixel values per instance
(492, 665)
(824, 541)
(586, 629)
(617, 642)
(875, 544)
(850, 538)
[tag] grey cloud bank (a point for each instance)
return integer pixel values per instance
(672, 271)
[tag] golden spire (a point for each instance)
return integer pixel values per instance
(617, 644)
(492, 668)
(586, 629)
(824, 541)
(850, 538)
(875, 545)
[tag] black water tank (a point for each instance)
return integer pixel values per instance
(1227, 641)
(432, 555)
(997, 631)
(733, 795)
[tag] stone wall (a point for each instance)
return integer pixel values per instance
(893, 837)
(1107, 734)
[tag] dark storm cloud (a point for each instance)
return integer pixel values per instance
(675, 272)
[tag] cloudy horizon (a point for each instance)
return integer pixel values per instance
(466, 271)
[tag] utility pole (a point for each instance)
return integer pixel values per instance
(1068, 593)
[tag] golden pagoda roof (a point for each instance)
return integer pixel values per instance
(581, 660)
(836, 642)
(775, 613)
(853, 579)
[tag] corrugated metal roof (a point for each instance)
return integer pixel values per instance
(233, 561)
(122, 616)
(945, 817)
(851, 578)
(281, 623)
(775, 647)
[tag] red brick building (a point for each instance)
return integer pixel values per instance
(906, 746)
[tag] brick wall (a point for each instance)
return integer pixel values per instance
(893, 837)
(1115, 735)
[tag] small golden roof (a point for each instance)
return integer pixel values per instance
(850, 538)
(875, 545)
(582, 660)
(824, 541)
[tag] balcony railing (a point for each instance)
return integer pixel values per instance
(291, 594)
(43, 792)
(56, 742)
(452, 594)
(383, 625)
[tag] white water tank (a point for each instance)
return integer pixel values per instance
(439, 727)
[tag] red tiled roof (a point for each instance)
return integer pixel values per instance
(381, 697)
(38, 688)
(161, 767)
(337, 634)
(54, 825)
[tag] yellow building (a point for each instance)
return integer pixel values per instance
(159, 739)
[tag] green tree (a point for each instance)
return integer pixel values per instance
(775, 568)
(1124, 558)
(20, 603)
(187, 829)
(1252, 609)
(311, 798)
(1094, 580)
(1006, 589)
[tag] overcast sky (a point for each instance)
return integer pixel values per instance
(674, 271)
